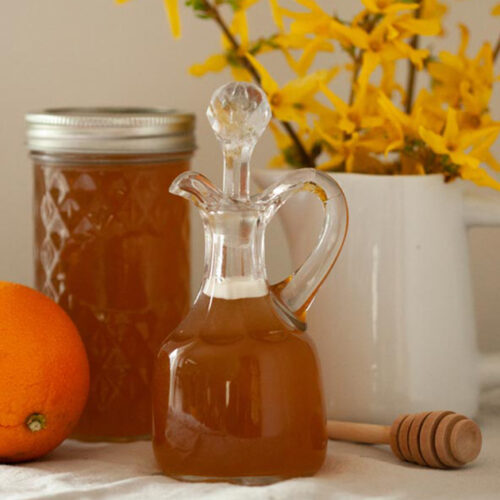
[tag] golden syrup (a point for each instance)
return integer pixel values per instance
(112, 248)
(238, 394)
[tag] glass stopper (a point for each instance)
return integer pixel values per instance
(238, 113)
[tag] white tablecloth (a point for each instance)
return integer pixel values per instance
(351, 471)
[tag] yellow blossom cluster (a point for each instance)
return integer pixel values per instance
(382, 126)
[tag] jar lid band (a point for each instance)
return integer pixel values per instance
(111, 130)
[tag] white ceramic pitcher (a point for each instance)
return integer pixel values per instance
(394, 322)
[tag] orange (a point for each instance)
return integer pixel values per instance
(44, 374)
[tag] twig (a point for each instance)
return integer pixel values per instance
(214, 13)
(355, 73)
(306, 159)
(369, 24)
(412, 71)
(496, 50)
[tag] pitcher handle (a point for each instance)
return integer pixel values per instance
(297, 291)
(484, 210)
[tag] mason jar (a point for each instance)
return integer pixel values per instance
(112, 246)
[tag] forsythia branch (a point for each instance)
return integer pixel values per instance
(355, 73)
(438, 132)
(412, 71)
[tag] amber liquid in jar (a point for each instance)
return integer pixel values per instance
(112, 248)
(238, 393)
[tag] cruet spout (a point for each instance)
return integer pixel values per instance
(196, 188)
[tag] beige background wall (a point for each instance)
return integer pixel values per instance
(92, 52)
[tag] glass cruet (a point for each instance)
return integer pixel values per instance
(237, 392)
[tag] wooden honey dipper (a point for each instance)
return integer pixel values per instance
(440, 439)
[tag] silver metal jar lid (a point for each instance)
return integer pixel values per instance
(110, 130)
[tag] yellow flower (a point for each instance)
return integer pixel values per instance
(464, 148)
(387, 6)
(172, 10)
(299, 38)
(239, 25)
(362, 114)
(214, 63)
(310, 48)
(318, 23)
(482, 149)
(384, 44)
(292, 101)
(407, 25)
(353, 133)
(342, 151)
(352, 153)
(432, 9)
(479, 177)
(230, 58)
(496, 10)
(400, 126)
(388, 83)
(460, 81)
(277, 15)
(452, 143)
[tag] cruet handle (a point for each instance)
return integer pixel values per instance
(297, 291)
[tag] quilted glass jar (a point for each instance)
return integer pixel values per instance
(112, 246)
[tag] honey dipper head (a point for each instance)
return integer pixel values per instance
(465, 441)
(440, 439)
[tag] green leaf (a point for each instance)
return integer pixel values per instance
(233, 58)
(292, 156)
(199, 7)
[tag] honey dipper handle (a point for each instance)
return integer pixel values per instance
(358, 433)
